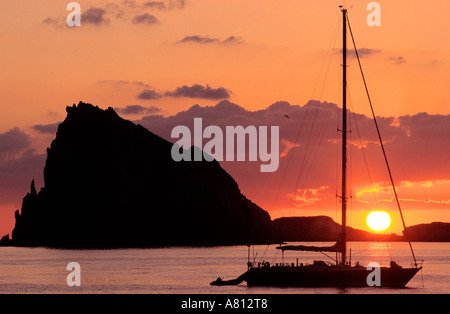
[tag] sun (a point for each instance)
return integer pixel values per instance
(378, 220)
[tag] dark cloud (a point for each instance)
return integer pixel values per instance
(362, 52)
(165, 5)
(198, 39)
(94, 16)
(57, 22)
(208, 40)
(149, 94)
(160, 5)
(130, 3)
(50, 21)
(365, 52)
(13, 142)
(46, 128)
(397, 60)
(179, 4)
(16, 175)
(232, 40)
(199, 91)
(136, 109)
(145, 18)
(115, 10)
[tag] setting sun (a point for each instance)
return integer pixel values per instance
(378, 220)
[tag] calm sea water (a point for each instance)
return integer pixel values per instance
(190, 270)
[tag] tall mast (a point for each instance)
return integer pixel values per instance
(344, 132)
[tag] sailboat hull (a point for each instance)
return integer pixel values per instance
(327, 276)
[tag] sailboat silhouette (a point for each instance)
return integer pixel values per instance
(342, 273)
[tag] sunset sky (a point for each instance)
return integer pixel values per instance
(154, 60)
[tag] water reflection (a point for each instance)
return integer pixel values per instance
(190, 270)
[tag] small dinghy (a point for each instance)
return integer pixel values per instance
(233, 282)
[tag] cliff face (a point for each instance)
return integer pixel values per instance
(322, 228)
(111, 183)
(433, 232)
(316, 228)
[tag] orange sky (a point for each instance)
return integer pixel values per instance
(277, 51)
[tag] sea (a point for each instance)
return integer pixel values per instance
(189, 270)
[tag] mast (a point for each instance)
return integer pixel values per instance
(344, 133)
(341, 244)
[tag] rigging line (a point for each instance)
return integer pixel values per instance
(323, 126)
(264, 253)
(305, 156)
(382, 146)
(317, 146)
(362, 148)
(290, 158)
(332, 42)
(331, 52)
(389, 249)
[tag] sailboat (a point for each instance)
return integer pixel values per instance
(342, 273)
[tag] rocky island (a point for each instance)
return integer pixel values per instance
(111, 183)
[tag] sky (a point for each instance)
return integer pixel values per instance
(162, 63)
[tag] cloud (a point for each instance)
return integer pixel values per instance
(146, 19)
(149, 94)
(397, 60)
(178, 4)
(94, 16)
(51, 21)
(16, 175)
(13, 142)
(165, 5)
(160, 5)
(130, 3)
(56, 22)
(194, 91)
(232, 40)
(198, 39)
(208, 40)
(362, 52)
(124, 83)
(136, 109)
(46, 128)
(199, 91)
(365, 52)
